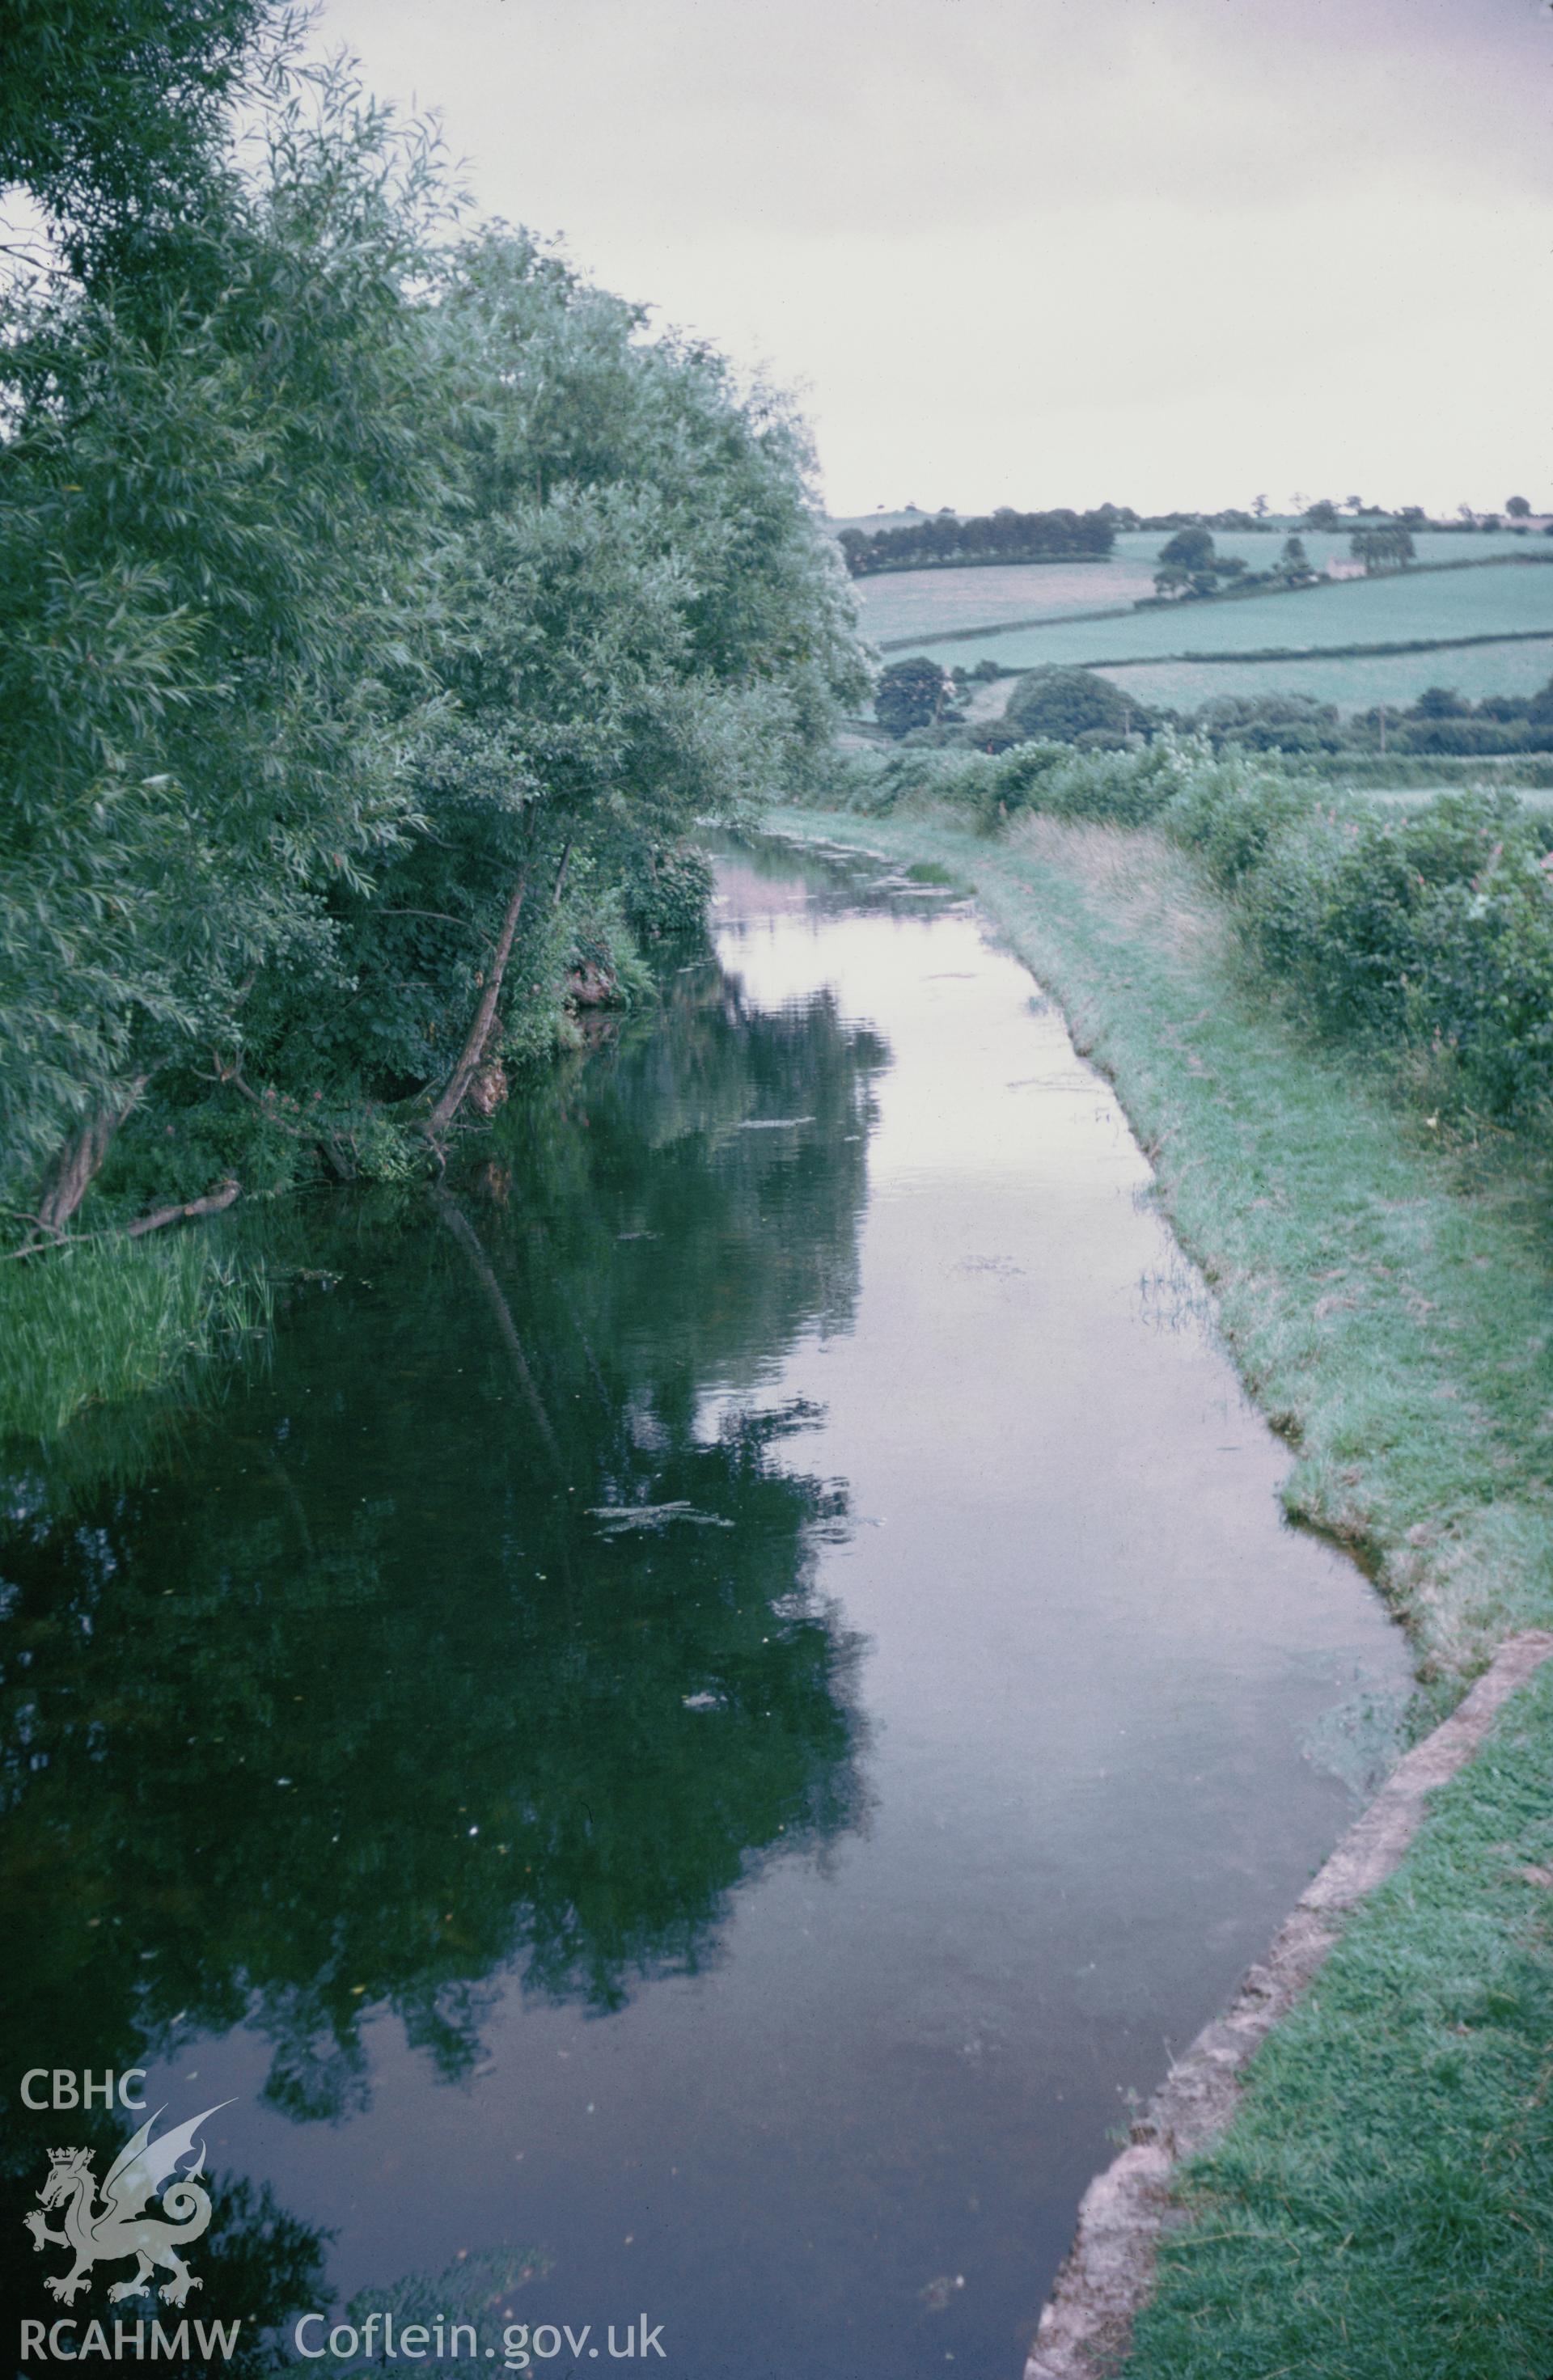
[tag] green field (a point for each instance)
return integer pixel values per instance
(913, 610)
(931, 603)
(1259, 548)
(1354, 684)
(1393, 610)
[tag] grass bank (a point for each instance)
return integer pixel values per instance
(1381, 2207)
(1386, 1300)
(99, 1321)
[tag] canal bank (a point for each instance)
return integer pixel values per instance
(1381, 2205)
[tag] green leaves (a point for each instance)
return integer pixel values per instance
(348, 576)
(207, 566)
(640, 624)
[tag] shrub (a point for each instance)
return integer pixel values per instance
(667, 893)
(1125, 788)
(1430, 933)
(1229, 812)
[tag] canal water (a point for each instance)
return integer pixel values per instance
(682, 1748)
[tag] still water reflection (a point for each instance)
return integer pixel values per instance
(733, 1685)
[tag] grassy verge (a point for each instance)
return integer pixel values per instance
(1388, 1301)
(107, 1319)
(1382, 2207)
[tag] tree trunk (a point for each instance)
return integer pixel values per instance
(485, 1017)
(215, 1203)
(73, 1168)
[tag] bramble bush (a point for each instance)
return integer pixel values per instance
(1431, 933)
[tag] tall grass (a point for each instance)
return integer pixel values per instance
(109, 1319)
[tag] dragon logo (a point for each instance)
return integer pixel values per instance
(120, 2226)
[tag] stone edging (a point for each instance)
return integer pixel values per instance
(1107, 2274)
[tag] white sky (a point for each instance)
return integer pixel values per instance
(1167, 252)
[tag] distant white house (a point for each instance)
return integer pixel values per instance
(1343, 565)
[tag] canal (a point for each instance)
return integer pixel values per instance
(683, 1746)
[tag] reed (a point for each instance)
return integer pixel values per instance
(108, 1319)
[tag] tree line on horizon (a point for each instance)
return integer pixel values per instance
(942, 538)
(946, 538)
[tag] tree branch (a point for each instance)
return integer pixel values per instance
(214, 1203)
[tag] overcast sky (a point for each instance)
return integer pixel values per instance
(1168, 252)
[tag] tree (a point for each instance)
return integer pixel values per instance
(1517, 507)
(112, 113)
(943, 538)
(217, 508)
(1058, 704)
(334, 613)
(1189, 549)
(1390, 548)
(647, 626)
(1269, 722)
(1260, 507)
(1189, 564)
(367, 603)
(909, 693)
(1322, 514)
(1293, 563)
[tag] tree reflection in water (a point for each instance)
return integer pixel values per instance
(475, 1634)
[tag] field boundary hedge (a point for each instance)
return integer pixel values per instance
(1323, 652)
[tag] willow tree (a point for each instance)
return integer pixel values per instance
(359, 593)
(114, 113)
(644, 624)
(212, 498)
